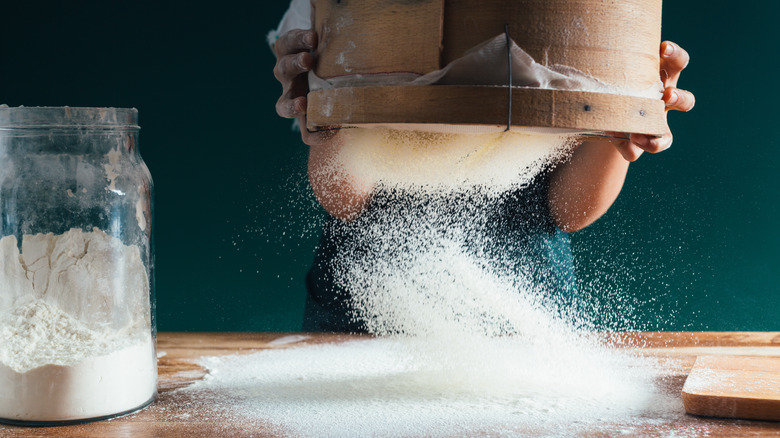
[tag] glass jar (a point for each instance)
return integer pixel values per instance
(77, 334)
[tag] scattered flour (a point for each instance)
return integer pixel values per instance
(75, 327)
(471, 341)
(384, 388)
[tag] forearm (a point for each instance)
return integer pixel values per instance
(342, 195)
(583, 188)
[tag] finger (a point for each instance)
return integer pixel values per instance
(679, 100)
(673, 60)
(652, 144)
(293, 102)
(294, 41)
(291, 108)
(629, 151)
(290, 66)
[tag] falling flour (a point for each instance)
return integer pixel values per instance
(75, 327)
(471, 341)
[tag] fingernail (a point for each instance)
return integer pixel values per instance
(300, 60)
(668, 50)
(673, 98)
(308, 39)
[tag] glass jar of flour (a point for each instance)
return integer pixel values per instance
(77, 337)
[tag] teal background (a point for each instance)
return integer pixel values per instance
(691, 244)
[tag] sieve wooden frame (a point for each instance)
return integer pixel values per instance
(616, 41)
(485, 105)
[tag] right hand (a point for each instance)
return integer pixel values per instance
(673, 60)
(293, 62)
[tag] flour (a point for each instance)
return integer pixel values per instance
(475, 337)
(113, 168)
(76, 329)
(384, 388)
(447, 161)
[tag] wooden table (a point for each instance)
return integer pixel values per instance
(175, 414)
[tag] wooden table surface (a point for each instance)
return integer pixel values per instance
(175, 414)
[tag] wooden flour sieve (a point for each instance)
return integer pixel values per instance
(614, 41)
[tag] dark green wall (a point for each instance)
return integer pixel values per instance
(691, 243)
(694, 235)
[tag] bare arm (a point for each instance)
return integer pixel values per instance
(583, 188)
(339, 194)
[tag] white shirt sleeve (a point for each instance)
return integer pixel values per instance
(298, 16)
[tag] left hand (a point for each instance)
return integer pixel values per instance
(673, 60)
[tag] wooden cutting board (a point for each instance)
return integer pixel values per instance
(745, 387)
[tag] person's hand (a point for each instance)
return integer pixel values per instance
(673, 60)
(293, 62)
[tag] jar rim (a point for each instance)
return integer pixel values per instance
(36, 117)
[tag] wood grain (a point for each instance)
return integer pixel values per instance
(616, 42)
(177, 414)
(734, 387)
(485, 105)
(369, 36)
